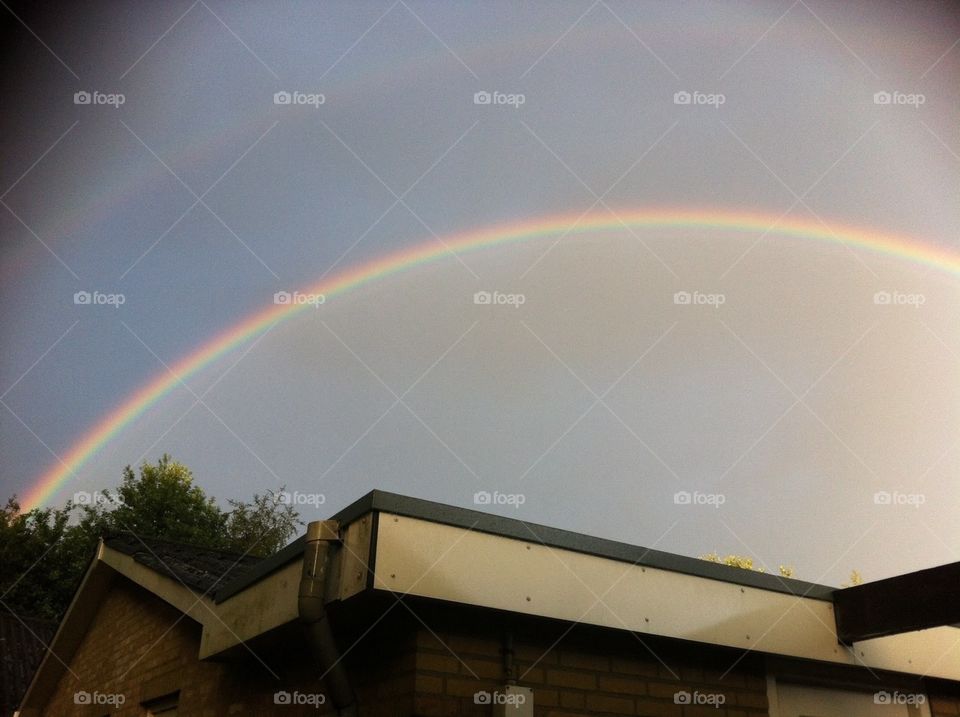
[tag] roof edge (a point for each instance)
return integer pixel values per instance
(75, 620)
(410, 507)
(590, 545)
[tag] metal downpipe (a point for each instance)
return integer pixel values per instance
(321, 535)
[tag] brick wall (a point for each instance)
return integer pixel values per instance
(431, 664)
(140, 647)
(611, 677)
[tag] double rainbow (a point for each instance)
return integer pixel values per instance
(487, 238)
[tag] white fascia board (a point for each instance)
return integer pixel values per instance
(455, 564)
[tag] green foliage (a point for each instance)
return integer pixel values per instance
(855, 579)
(41, 559)
(44, 552)
(742, 561)
(734, 561)
(161, 502)
(261, 527)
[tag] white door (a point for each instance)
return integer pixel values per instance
(801, 701)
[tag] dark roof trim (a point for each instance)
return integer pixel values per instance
(904, 603)
(382, 501)
(600, 547)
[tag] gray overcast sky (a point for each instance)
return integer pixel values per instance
(793, 403)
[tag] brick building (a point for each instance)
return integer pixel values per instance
(399, 606)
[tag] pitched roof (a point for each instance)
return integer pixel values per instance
(199, 568)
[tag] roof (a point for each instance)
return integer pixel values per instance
(476, 521)
(199, 568)
(395, 545)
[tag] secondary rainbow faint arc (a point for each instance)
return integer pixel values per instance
(488, 237)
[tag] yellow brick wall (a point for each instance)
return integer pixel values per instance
(140, 647)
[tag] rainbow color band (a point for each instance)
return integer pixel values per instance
(487, 238)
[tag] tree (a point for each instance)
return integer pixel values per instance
(162, 502)
(44, 552)
(39, 556)
(261, 527)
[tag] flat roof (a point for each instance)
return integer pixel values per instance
(477, 521)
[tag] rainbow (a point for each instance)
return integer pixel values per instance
(486, 238)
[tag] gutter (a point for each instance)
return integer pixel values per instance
(318, 548)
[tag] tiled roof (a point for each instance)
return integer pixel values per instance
(201, 569)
